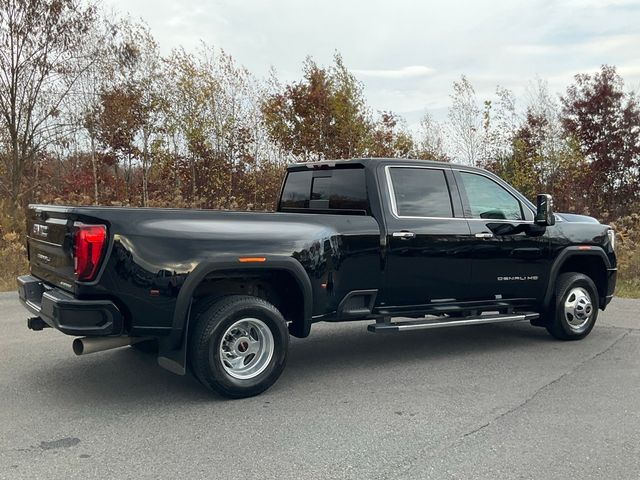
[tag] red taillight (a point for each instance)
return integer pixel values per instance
(88, 243)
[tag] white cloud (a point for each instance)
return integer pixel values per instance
(406, 52)
(413, 71)
(589, 45)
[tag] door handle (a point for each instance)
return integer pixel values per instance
(484, 235)
(404, 235)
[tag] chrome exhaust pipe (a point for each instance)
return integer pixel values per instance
(86, 345)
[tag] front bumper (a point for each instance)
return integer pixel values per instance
(62, 311)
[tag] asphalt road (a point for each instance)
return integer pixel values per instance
(494, 401)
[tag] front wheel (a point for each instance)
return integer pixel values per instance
(238, 346)
(576, 307)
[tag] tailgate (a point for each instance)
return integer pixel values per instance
(50, 246)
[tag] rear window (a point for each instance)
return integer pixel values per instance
(339, 190)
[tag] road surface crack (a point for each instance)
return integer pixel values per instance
(409, 463)
(544, 387)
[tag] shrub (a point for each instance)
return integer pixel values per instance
(628, 253)
(13, 256)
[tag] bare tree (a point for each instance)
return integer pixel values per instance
(40, 61)
(500, 122)
(84, 105)
(429, 143)
(543, 113)
(465, 122)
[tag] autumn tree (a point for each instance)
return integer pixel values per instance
(540, 157)
(533, 168)
(121, 116)
(605, 120)
(136, 73)
(40, 61)
(217, 129)
(84, 106)
(321, 116)
(388, 138)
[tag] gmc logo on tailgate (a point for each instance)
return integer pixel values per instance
(40, 230)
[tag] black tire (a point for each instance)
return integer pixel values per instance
(558, 323)
(207, 333)
(148, 346)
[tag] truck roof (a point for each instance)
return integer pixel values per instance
(372, 162)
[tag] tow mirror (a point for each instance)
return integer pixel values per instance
(544, 212)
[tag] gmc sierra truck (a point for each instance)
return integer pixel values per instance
(405, 244)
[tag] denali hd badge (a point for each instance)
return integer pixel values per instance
(518, 279)
(40, 230)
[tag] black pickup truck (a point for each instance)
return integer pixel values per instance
(218, 293)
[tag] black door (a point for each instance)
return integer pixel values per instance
(427, 237)
(510, 252)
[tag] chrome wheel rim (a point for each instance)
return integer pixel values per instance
(578, 309)
(246, 348)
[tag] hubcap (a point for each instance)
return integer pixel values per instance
(578, 308)
(246, 348)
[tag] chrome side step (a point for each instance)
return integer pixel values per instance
(458, 322)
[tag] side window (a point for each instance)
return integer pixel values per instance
(489, 200)
(421, 192)
(342, 189)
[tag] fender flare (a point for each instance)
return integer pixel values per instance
(288, 264)
(173, 348)
(567, 253)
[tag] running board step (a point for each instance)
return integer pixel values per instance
(458, 322)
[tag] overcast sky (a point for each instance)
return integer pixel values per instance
(407, 53)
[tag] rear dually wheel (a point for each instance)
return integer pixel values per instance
(238, 345)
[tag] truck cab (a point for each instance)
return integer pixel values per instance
(450, 235)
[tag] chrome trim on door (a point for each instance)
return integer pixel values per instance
(404, 235)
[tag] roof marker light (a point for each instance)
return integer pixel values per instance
(252, 259)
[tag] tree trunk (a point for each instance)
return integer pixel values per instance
(94, 166)
(145, 170)
(145, 173)
(16, 175)
(145, 195)
(230, 191)
(193, 181)
(127, 179)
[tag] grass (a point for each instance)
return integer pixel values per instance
(13, 261)
(8, 284)
(628, 288)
